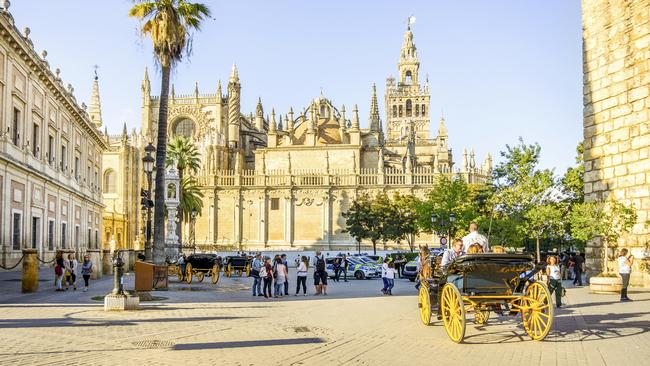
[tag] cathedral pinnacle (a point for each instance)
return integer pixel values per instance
(259, 110)
(442, 129)
(234, 75)
(95, 104)
(355, 118)
(374, 110)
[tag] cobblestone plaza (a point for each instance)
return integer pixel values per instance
(224, 325)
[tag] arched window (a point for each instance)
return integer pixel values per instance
(109, 181)
(424, 111)
(184, 127)
(409, 108)
(417, 110)
(400, 110)
(394, 111)
(408, 78)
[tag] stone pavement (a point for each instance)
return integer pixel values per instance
(204, 324)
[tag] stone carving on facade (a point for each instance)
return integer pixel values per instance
(193, 112)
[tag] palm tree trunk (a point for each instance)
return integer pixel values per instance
(179, 224)
(161, 154)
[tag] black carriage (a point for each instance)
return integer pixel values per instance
(237, 265)
(200, 265)
(484, 283)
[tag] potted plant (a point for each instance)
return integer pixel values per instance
(605, 223)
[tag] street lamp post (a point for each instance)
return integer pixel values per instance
(446, 224)
(148, 165)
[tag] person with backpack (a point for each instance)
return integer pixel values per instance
(255, 273)
(320, 275)
(266, 273)
(337, 269)
(345, 268)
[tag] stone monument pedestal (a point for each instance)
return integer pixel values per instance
(121, 302)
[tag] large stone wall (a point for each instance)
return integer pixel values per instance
(616, 46)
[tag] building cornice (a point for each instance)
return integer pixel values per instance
(41, 70)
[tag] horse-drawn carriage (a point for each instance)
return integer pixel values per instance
(237, 265)
(484, 283)
(200, 265)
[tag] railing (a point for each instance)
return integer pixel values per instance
(421, 176)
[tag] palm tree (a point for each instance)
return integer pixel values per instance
(191, 198)
(169, 24)
(183, 151)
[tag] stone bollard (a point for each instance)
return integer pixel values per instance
(30, 270)
(107, 265)
(97, 260)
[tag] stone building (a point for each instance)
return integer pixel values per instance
(50, 155)
(616, 45)
(283, 181)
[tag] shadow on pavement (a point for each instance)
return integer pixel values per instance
(243, 344)
(56, 323)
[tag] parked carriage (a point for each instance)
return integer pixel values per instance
(485, 283)
(237, 265)
(200, 265)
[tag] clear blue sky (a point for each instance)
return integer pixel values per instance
(499, 69)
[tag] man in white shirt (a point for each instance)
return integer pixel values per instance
(475, 237)
(452, 253)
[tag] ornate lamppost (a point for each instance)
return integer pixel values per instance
(193, 227)
(148, 165)
(446, 225)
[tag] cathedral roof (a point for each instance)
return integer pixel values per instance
(323, 119)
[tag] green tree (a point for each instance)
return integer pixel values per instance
(605, 220)
(404, 223)
(543, 221)
(356, 219)
(382, 223)
(573, 183)
(191, 198)
(448, 196)
(188, 159)
(169, 24)
(519, 186)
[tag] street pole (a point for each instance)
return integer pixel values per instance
(148, 245)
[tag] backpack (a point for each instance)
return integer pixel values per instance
(263, 271)
(320, 264)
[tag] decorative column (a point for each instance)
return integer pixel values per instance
(172, 194)
(30, 271)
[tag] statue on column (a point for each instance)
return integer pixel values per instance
(172, 201)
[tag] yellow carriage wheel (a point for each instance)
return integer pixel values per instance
(453, 312)
(229, 270)
(537, 311)
(214, 274)
(481, 316)
(424, 302)
(188, 273)
(179, 273)
(200, 276)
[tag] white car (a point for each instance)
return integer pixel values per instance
(356, 269)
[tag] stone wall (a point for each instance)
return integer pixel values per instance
(616, 46)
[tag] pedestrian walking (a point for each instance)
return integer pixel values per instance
(578, 268)
(286, 280)
(280, 277)
(266, 272)
(625, 263)
(255, 272)
(554, 279)
(563, 261)
(336, 266)
(390, 278)
(301, 278)
(320, 275)
(59, 268)
(384, 279)
(346, 265)
(70, 277)
(86, 270)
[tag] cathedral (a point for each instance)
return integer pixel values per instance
(282, 180)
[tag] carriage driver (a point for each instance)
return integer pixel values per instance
(474, 237)
(452, 253)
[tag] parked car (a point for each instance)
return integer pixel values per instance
(356, 268)
(410, 270)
